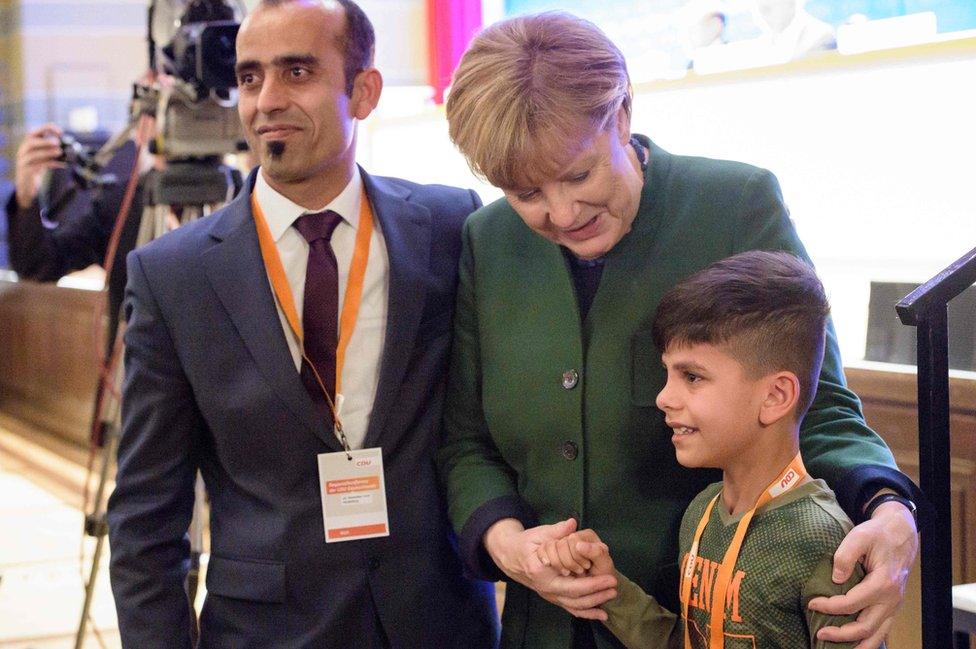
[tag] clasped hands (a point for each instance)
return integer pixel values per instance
(573, 569)
(527, 556)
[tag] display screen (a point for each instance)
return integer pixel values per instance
(669, 38)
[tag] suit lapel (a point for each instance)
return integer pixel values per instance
(406, 232)
(236, 272)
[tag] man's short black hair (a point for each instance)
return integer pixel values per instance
(357, 42)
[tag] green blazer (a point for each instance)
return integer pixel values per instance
(523, 440)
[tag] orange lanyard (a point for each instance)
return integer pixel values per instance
(791, 476)
(350, 303)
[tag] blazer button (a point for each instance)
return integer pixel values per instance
(570, 379)
(569, 450)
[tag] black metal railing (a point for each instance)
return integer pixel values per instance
(926, 309)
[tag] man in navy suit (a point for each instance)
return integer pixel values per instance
(213, 379)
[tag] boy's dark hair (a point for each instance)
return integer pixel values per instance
(768, 309)
(357, 42)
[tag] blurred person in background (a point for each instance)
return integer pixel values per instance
(45, 245)
(6, 191)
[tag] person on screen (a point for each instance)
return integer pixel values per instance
(790, 31)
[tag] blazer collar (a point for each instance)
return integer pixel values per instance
(655, 180)
(236, 271)
(406, 227)
(236, 213)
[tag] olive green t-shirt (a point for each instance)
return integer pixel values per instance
(785, 561)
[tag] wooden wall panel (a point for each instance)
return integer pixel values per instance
(49, 356)
(890, 407)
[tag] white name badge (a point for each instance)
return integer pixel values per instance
(353, 495)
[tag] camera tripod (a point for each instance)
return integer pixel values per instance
(191, 189)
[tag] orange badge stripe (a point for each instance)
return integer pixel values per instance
(359, 530)
(354, 286)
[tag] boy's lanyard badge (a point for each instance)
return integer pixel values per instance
(791, 476)
(350, 303)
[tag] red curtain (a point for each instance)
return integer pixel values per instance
(451, 24)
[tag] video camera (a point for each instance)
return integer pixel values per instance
(192, 93)
(193, 96)
(195, 105)
(80, 159)
(202, 50)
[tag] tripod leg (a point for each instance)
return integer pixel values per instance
(89, 593)
(156, 220)
(95, 525)
(200, 512)
(107, 439)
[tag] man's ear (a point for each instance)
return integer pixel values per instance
(366, 90)
(782, 392)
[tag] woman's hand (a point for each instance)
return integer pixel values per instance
(515, 551)
(888, 544)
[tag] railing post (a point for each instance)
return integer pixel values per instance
(934, 455)
(926, 308)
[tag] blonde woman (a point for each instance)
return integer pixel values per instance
(550, 417)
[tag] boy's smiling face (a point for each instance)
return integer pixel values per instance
(712, 404)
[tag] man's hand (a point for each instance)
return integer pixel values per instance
(888, 544)
(38, 152)
(515, 550)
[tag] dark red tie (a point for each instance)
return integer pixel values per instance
(320, 313)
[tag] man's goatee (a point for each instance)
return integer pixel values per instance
(276, 150)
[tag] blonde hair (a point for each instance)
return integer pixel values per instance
(529, 83)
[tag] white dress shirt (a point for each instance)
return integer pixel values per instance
(360, 374)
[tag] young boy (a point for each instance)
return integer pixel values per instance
(742, 344)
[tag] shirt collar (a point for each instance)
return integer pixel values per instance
(281, 212)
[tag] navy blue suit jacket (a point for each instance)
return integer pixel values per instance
(210, 385)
